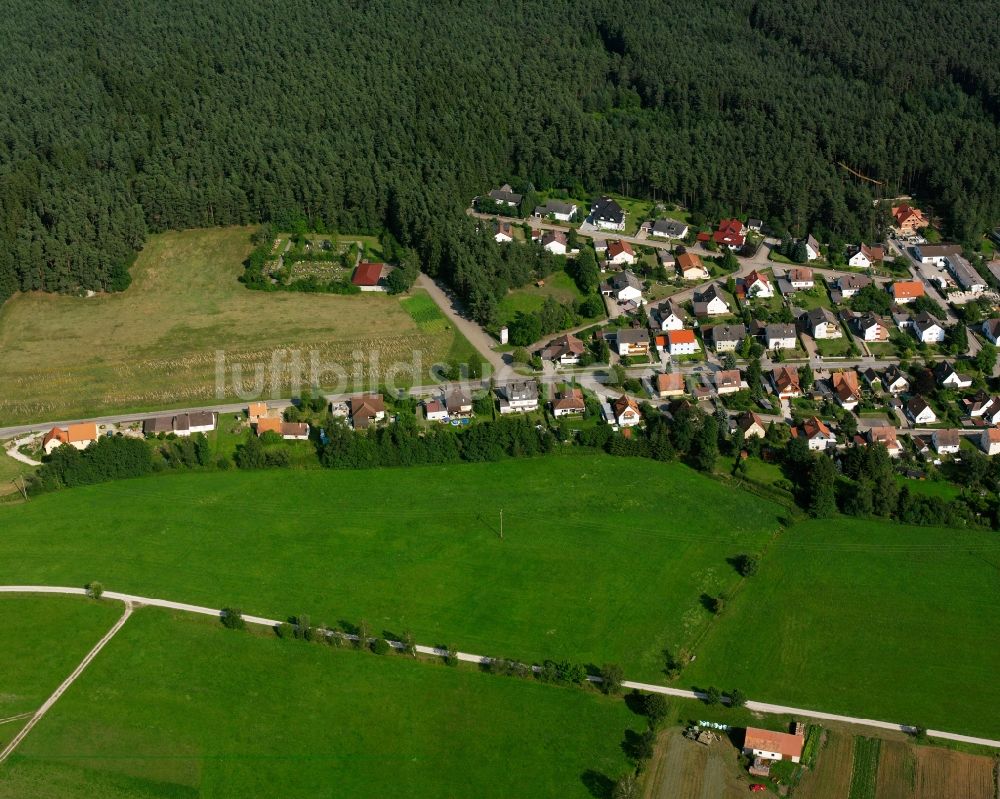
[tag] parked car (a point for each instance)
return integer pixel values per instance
(757, 788)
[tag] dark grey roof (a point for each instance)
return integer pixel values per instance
(632, 335)
(505, 195)
(779, 330)
(521, 390)
(728, 333)
(607, 209)
(624, 280)
(669, 227)
(555, 207)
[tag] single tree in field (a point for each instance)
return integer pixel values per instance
(364, 633)
(737, 698)
(409, 644)
(232, 618)
(95, 589)
(611, 675)
(627, 787)
(656, 708)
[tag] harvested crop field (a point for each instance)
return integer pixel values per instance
(897, 771)
(683, 769)
(943, 774)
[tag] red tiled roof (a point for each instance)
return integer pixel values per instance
(785, 744)
(367, 274)
(681, 336)
(908, 289)
(617, 247)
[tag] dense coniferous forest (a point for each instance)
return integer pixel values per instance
(122, 118)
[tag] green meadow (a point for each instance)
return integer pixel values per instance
(871, 619)
(602, 559)
(179, 707)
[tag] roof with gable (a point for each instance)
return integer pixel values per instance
(670, 382)
(907, 289)
(785, 744)
(367, 274)
(619, 247)
(682, 336)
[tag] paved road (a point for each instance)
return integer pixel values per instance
(48, 703)
(131, 600)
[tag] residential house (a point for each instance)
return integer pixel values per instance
(607, 214)
(894, 381)
(670, 316)
(668, 229)
(927, 329)
(554, 241)
(757, 284)
(435, 410)
(801, 277)
(976, 405)
(710, 302)
(557, 209)
(370, 277)
(184, 424)
(568, 403)
(989, 441)
(949, 377)
(846, 389)
(908, 219)
(822, 324)
(504, 234)
(728, 381)
(78, 436)
(620, 253)
(812, 248)
(731, 233)
(365, 409)
(870, 327)
(937, 254)
(505, 195)
(865, 257)
(290, 431)
(458, 401)
(816, 433)
(623, 287)
(632, 341)
(991, 329)
(626, 411)
(755, 225)
(920, 412)
(991, 411)
(904, 291)
(566, 350)
(518, 396)
(751, 425)
(600, 245)
(727, 338)
(849, 285)
(670, 385)
(872, 378)
(255, 410)
(786, 382)
(690, 267)
(886, 436)
(666, 259)
(779, 336)
(682, 342)
(946, 442)
(294, 431)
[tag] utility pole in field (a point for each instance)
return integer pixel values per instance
(501, 524)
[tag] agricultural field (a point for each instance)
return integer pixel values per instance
(155, 345)
(11, 470)
(867, 618)
(622, 581)
(41, 640)
(893, 767)
(683, 769)
(178, 706)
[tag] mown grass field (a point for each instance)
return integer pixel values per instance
(41, 641)
(177, 706)
(592, 568)
(154, 345)
(871, 619)
(530, 298)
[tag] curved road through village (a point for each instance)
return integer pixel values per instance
(131, 601)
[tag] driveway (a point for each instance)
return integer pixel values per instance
(479, 338)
